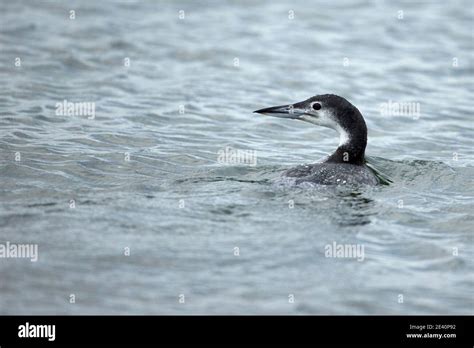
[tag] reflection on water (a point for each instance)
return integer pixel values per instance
(355, 209)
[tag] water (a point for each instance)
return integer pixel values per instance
(180, 212)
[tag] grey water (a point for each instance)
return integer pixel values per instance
(135, 210)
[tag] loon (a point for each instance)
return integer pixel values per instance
(347, 164)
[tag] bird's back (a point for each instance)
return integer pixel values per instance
(332, 174)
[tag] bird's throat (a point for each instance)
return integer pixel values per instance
(351, 147)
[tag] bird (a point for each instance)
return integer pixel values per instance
(347, 165)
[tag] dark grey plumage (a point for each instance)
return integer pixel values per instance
(326, 173)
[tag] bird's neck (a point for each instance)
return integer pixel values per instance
(351, 149)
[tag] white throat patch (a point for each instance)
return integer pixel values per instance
(343, 136)
(326, 119)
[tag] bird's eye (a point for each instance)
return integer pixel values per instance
(316, 106)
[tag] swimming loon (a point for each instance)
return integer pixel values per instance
(347, 164)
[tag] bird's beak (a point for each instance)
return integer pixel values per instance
(283, 111)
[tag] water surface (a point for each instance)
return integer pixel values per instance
(144, 173)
